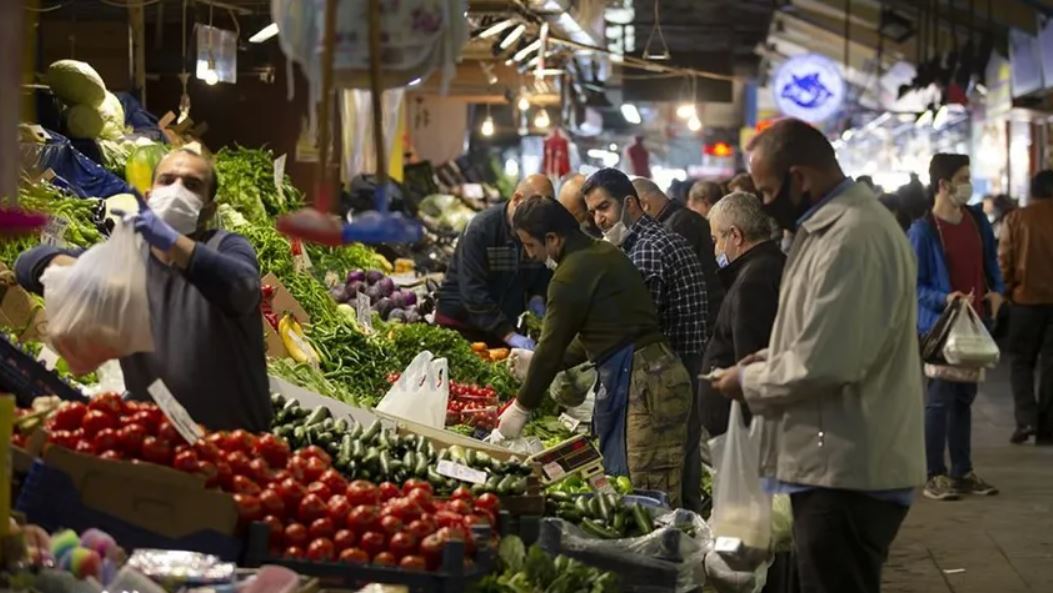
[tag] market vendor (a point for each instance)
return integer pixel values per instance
(204, 293)
(599, 309)
(489, 282)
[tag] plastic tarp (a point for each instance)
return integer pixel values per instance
(73, 170)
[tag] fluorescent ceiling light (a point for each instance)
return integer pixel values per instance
(497, 28)
(264, 34)
(631, 113)
(414, 82)
(513, 36)
(526, 51)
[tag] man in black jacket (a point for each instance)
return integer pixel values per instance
(490, 282)
(691, 226)
(751, 269)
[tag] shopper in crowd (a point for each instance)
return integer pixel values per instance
(598, 296)
(839, 388)
(702, 196)
(1025, 253)
(204, 293)
(674, 277)
(742, 182)
(892, 202)
(956, 259)
(489, 283)
(572, 199)
(868, 181)
(996, 208)
(751, 267)
(694, 228)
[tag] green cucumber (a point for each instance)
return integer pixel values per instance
(372, 431)
(317, 416)
(592, 527)
(642, 518)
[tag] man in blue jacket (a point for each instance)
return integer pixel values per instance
(957, 259)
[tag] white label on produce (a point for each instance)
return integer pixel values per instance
(364, 312)
(460, 472)
(572, 424)
(175, 412)
(279, 175)
(48, 358)
(553, 470)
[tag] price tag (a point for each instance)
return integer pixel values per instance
(54, 232)
(279, 175)
(553, 470)
(727, 545)
(301, 261)
(600, 483)
(175, 412)
(332, 279)
(363, 311)
(572, 424)
(460, 472)
(48, 357)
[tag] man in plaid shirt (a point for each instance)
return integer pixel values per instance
(673, 275)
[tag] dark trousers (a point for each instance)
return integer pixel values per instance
(842, 539)
(690, 493)
(948, 426)
(1031, 346)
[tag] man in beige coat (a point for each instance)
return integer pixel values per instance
(839, 389)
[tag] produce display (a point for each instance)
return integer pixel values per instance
(247, 184)
(392, 304)
(575, 485)
(524, 571)
(91, 110)
(605, 516)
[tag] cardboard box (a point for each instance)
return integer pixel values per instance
(282, 303)
(442, 438)
(19, 312)
(309, 399)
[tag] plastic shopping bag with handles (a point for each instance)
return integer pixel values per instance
(741, 507)
(98, 308)
(968, 343)
(421, 392)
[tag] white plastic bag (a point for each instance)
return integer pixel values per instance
(98, 308)
(968, 343)
(741, 508)
(421, 393)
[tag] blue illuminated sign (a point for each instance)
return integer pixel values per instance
(809, 87)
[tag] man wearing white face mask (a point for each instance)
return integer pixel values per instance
(957, 259)
(204, 293)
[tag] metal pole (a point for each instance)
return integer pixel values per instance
(376, 91)
(324, 194)
(11, 46)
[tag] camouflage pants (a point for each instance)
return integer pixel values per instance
(656, 424)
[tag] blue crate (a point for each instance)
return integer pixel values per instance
(49, 499)
(25, 377)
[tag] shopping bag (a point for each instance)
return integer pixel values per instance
(98, 308)
(421, 392)
(933, 341)
(968, 343)
(741, 507)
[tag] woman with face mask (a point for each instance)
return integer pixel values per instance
(957, 259)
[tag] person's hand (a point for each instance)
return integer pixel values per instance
(518, 363)
(758, 356)
(512, 420)
(520, 341)
(155, 231)
(954, 296)
(995, 300)
(536, 305)
(728, 383)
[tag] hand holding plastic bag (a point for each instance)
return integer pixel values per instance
(421, 393)
(741, 508)
(98, 308)
(969, 344)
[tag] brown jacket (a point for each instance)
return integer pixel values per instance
(1025, 254)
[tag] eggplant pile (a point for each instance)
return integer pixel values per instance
(378, 454)
(393, 304)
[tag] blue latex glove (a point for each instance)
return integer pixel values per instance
(536, 306)
(156, 232)
(521, 341)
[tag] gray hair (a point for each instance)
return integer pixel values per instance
(743, 211)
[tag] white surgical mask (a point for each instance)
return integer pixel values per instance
(722, 260)
(616, 234)
(551, 263)
(962, 193)
(178, 206)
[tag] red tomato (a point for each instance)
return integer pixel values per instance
(334, 480)
(297, 467)
(362, 492)
(68, 416)
(311, 508)
(488, 501)
(249, 508)
(62, 438)
(272, 502)
(96, 420)
(295, 534)
(293, 552)
(460, 507)
(344, 539)
(224, 475)
(362, 518)
(245, 485)
(239, 462)
(241, 440)
(279, 476)
(149, 419)
(354, 556)
(463, 493)
(402, 544)
(452, 533)
(321, 550)
(111, 403)
(315, 451)
(385, 559)
(415, 484)
(292, 492)
(259, 471)
(112, 455)
(431, 549)
(105, 440)
(166, 432)
(390, 524)
(372, 542)
(476, 519)
(413, 562)
(337, 508)
(206, 450)
(210, 471)
(423, 499)
(320, 490)
(84, 446)
(314, 469)
(186, 461)
(322, 527)
(420, 529)
(277, 530)
(388, 491)
(449, 519)
(155, 450)
(272, 449)
(130, 438)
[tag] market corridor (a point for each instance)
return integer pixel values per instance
(1000, 544)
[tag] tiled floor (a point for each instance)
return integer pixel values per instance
(999, 544)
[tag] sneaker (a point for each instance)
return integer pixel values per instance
(1021, 435)
(941, 488)
(971, 483)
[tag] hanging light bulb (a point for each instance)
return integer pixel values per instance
(686, 111)
(542, 120)
(694, 124)
(210, 77)
(487, 129)
(523, 103)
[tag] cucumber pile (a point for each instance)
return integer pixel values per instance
(378, 454)
(604, 516)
